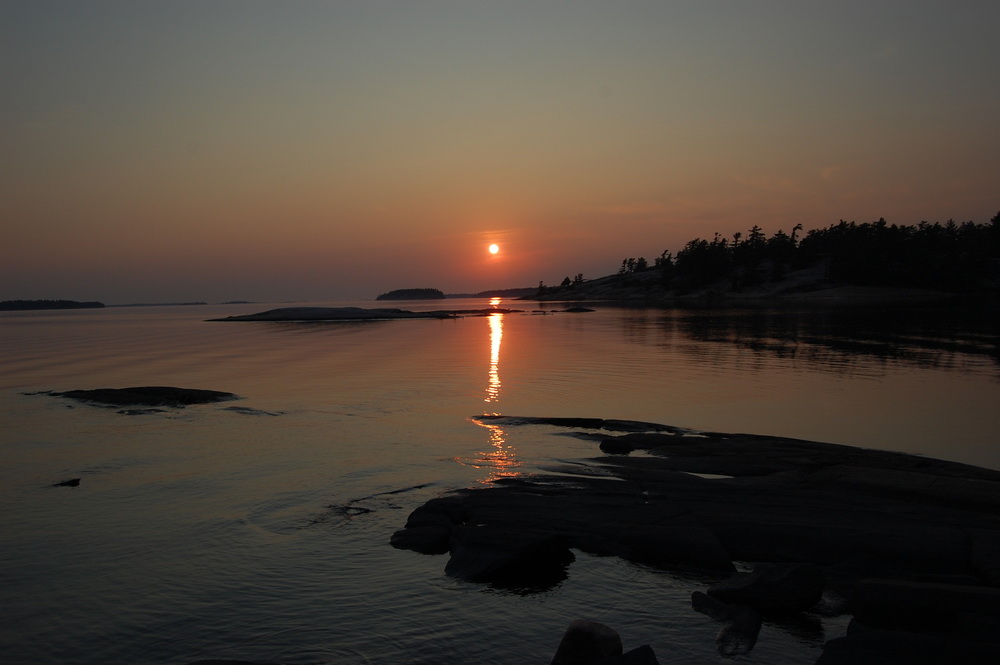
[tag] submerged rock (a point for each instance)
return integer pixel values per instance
(741, 624)
(773, 588)
(247, 411)
(140, 412)
(72, 482)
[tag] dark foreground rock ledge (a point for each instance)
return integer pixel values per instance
(704, 500)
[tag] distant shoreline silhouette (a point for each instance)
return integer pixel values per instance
(948, 258)
(14, 305)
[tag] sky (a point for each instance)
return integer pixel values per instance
(311, 151)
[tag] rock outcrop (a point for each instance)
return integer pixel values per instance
(147, 396)
(773, 588)
(586, 642)
(818, 519)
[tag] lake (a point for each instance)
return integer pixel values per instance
(261, 533)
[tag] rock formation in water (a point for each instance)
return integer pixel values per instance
(816, 522)
(147, 396)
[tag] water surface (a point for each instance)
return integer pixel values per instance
(262, 534)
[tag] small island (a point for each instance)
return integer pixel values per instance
(412, 294)
(145, 396)
(15, 305)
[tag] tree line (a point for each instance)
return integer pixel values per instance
(949, 257)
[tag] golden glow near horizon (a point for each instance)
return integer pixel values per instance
(573, 135)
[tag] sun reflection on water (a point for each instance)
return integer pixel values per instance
(496, 337)
(500, 457)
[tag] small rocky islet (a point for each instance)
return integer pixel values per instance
(908, 546)
(146, 396)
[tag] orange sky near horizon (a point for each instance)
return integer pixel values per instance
(323, 151)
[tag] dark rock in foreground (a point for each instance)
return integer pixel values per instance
(513, 559)
(920, 606)
(772, 588)
(834, 515)
(586, 642)
(858, 512)
(873, 646)
(148, 396)
(741, 624)
(640, 656)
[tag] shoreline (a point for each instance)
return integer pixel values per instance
(808, 285)
(358, 314)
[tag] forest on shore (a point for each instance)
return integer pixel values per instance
(950, 257)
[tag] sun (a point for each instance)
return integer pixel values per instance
(494, 248)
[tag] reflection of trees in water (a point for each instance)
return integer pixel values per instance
(950, 336)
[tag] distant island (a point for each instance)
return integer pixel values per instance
(845, 261)
(412, 294)
(11, 305)
(161, 304)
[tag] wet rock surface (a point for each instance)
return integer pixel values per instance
(586, 642)
(773, 588)
(741, 624)
(810, 520)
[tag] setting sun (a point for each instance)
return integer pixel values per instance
(494, 249)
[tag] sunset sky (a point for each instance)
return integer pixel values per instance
(276, 151)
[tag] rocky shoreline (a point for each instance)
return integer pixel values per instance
(908, 546)
(358, 314)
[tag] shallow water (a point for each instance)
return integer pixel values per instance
(207, 532)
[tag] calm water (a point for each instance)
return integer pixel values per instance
(212, 533)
